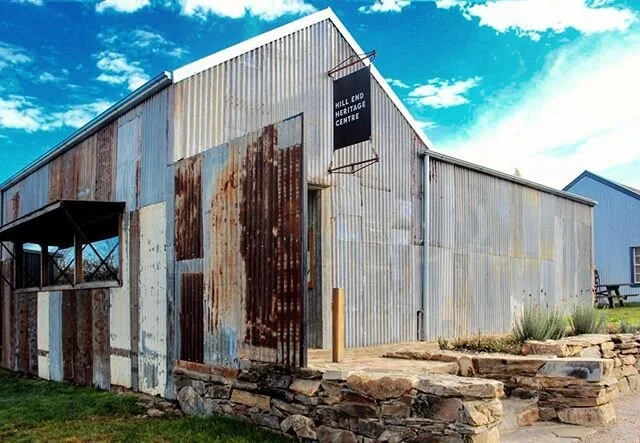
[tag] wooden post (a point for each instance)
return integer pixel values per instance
(337, 309)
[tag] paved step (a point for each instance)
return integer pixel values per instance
(547, 432)
(518, 413)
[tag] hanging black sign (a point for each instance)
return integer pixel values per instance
(352, 109)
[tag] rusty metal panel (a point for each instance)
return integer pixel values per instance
(22, 317)
(43, 335)
(55, 336)
(68, 335)
(188, 209)
(253, 211)
(56, 178)
(105, 162)
(128, 163)
(83, 370)
(85, 169)
(154, 151)
(192, 317)
(152, 280)
(8, 317)
(69, 175)
(120, 317)
(100, 334)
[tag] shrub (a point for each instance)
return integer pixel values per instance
(587, 320)
(482, 343)
(626, 327)
(536, 323)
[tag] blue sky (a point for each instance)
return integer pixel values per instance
(550, 87)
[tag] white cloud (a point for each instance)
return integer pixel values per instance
(580, 112)
(33, 2)
(127, 6)
(265, 9)
(11, 55)
(443, 93)
(385, 6)
(145, 40)
(397, 83)
(19, 112)
(117, 70)
(530, 18)
(47, 77)
(426, 124)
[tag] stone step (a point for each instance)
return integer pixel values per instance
(518, 413)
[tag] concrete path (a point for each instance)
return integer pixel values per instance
(627, 427)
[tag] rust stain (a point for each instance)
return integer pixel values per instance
(188, 209)
(224, 223)
(15, 205)
(105, 162)
(192, 317)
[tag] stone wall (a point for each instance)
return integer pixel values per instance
(338, 406)
(623, 349)
(574, 390)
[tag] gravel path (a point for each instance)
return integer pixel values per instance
(627, 427)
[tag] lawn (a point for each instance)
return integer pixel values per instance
(630, 313)
(38, 410)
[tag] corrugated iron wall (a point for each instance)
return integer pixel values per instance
(375, 214)
(252, 217)
(108, 336)
(496, 246)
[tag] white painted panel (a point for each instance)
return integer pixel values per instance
(43, 334)
(120, 319)
(153, 300)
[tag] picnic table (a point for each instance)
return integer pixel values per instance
(611, 291)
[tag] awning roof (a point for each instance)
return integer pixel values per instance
(56, 223)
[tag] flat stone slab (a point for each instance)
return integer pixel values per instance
(585, 369)
(453, 386)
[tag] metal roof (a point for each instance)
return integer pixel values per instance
(628, 190)
(512, 178)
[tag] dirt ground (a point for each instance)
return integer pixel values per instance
(627, 427)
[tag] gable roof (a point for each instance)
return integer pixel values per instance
(628, 190)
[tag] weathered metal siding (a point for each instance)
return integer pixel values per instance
(26, 196)
(375, 214)
(192, 316)
(43, 335)
(152, 310)
(55, 336)
(253, 196)
(496, 246)
(120, 318)
(616, 230)
(188, 209)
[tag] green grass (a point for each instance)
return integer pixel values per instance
(38, 410)
(630, 313)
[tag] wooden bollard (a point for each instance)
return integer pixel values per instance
(337, 309)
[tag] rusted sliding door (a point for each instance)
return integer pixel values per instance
(254, 193)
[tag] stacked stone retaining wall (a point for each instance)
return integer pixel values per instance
(338, 406)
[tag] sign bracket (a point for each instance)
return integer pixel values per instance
(352, 60)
